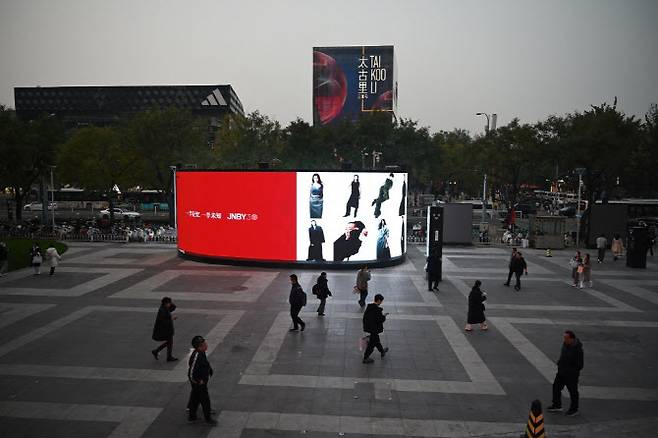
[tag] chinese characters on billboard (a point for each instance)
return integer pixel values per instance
(309, 217)
(350, 81)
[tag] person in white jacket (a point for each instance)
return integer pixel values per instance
(53, 258)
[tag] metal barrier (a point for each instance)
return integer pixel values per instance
(84, 237)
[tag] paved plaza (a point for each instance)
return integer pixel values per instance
(75, 349)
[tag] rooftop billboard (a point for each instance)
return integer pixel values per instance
(350, 81)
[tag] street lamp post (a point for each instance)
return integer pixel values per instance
(580, 171)
(173, 169)
(486, 127)
(52, 196)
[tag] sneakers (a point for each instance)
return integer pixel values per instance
(384, 352)
(293, 329)
(572, 413)
(368, 360)
(553, 408)
(172, 359)
(155, 354)
(505, 284)
(303, 326)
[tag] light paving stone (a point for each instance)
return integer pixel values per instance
(255, 283)
(228, 319)
(109, 276)
(482, 380)
(133, 420)
(547, 367)
(13, 312)
(146, 256)
(616, 305)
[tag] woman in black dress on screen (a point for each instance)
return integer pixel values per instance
(354, 197)
(316, 197)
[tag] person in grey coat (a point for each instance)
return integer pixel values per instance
(362, 279)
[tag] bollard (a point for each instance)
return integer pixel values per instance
(535, 426)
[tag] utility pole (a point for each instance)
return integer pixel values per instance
(580, 171)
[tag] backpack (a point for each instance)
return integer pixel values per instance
(304, 301)
(316, 289)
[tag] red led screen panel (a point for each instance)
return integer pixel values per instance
(242, 215)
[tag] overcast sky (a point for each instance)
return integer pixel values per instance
(517, 58)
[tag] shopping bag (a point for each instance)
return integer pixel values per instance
(363, 342)
(355, 290)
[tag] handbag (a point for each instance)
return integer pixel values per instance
(356, 290)
(37, 259)
(581, 269)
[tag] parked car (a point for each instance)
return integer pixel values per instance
(526, 208)
(38, 206)
(569, 211)
(119, 213)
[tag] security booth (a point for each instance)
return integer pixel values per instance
(547, 232)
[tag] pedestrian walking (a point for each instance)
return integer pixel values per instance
(36, 258)
(321, 290)
(509, 266)
(297, 300)
(568, 371)
(586, 274)
(163, 329)
(362, 279)
(617, 247)
(476, 308)
(373, 324)
(433, 269)
(518, 266)
(198, 373)
(4, 259)
(575, 262)
(53, 258)
(601, 244)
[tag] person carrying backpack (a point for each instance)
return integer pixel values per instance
(321, 290)
(297, 300)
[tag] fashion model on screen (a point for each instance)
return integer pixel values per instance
(316, 239)
(383, 251)
(403, 202)
(353, 202)
(316, 197)
(349, 243)
(383, 195)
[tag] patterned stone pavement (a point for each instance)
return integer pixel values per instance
(75, 349)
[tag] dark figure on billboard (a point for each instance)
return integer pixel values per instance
(316, 238)
(403, 202)
(383, 251)
(354, 197)
(383, 195)
(316, 200)
(349, 242)
(402, 238)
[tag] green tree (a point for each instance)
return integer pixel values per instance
(164, 137)
(28, 150)
(599, 140)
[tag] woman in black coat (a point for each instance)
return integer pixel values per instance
(163, 329)
(476, 301)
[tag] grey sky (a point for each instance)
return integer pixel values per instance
(455, 58)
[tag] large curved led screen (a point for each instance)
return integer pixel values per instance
(329, 217)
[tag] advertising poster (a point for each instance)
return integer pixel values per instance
(305, 217)
(350, 81)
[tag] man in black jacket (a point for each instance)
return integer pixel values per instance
(321, 290)
(163, 329)
(297, 300)
(198, 374)
(373, 323)
(568, 371)
(518, 266)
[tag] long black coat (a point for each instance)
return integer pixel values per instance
(571, 359)
(163, 329)
(297, 296)
(373, 319)
(322, 288)
(476, 306)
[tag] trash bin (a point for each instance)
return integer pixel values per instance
(638, 243)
